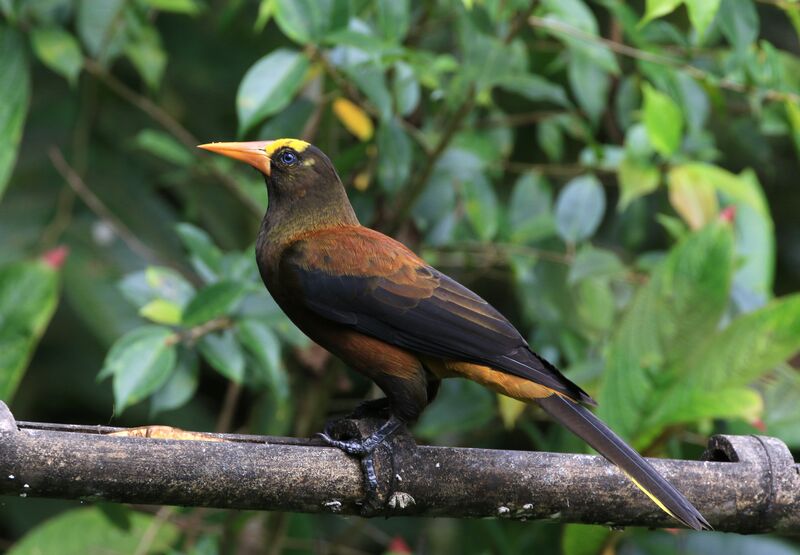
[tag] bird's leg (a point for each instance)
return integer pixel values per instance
(374, 407)
(364, 448)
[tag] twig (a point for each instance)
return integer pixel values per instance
(98, 207)
(561, 170)
(652, 57)
(191, 335)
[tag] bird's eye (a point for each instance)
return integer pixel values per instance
(288, 157)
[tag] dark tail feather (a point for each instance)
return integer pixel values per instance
(587, 426)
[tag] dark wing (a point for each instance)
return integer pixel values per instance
(386, 291)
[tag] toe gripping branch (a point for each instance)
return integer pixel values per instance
(380, 445)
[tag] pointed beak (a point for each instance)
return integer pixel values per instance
(252, 152)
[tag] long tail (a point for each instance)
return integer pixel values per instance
(593, 431)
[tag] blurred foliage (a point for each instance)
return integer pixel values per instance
(618, 178)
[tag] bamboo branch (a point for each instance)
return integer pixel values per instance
(748, 484)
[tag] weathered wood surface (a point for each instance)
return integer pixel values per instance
(751, 484)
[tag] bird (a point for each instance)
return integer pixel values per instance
(385, 312)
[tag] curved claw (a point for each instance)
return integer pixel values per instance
(352, 447)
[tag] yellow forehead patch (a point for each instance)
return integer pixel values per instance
(296, 144)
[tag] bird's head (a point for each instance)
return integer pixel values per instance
(301, 181)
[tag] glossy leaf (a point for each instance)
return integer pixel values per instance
(269, 85)
(156, 282)
(89, 530)
(188, 7)
(58, 50)
(223, 351)
(589, 82)
(14, 91)
(100, 25)
(147, 56)
(636, 179)
(680, 306)
(530, 209)
(405, 88)
(306, 21)
(180, 387)
(694, 199)
(162, 311)
(738, 20)
(28, 298)
(591, 262)
(218, 299)
(393, 17)
(658, 8)
(579, 208)
(480, 202)
(701, 14)
(163, 146)
(261, 342)
(394, 156)
(140, 363)
(663, 120)
(204, 254)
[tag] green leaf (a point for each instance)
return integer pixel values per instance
(636, 179)
(266, 10)
(510, 410)
(205, 256)
(677, 309)
(689, 404)
(584, 539)
(480, 202)
(147, 56)
(14, 91)
(576, 13)
(163, 146)
(658, 8)
(595, 304)
(188, 7)
(591, 262)
(663, 120)
(307, 21)
(749, 347)
(535, 88)
(370, 79)
(551, 139)
(393, 17)
(269, 85)
(530, 209)
(140, 363)
(28, 298)
(223, 352)
(460, 406)
(180, 387)
(394, 156)
(590, 84)
(218, 299)
(579, 208)
(261, 342)
(58, 50)
(89, 530)
(692, 196)
(701, 14)
(738, 20)
(405, 88)
(162, 311)
(100, 25)
(156, 282)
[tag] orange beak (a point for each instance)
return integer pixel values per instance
(252, 152)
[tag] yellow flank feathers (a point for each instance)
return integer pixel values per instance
(296, 144)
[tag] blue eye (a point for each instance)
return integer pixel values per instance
(288, 157)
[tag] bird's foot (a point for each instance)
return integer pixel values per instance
(364, 449)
